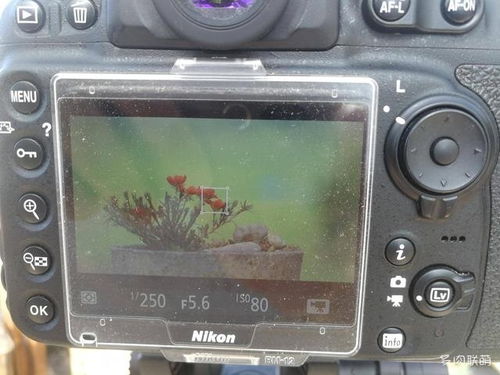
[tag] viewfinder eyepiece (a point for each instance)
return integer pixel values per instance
(223, 3)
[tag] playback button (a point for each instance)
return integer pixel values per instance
(28, 154)
(30, 16)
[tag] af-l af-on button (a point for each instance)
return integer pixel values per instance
(391, 10)
(459, 12)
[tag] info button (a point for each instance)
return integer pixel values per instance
(391, 340)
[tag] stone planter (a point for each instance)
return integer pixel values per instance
(238, 261)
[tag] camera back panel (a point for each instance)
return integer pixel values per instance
(430, 281)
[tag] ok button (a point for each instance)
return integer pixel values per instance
(40, 310)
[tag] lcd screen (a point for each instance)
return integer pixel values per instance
(223, 211)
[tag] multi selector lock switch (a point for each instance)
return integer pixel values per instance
(439, 150)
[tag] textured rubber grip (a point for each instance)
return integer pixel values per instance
(484, 80)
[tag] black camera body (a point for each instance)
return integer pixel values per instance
(358, 138)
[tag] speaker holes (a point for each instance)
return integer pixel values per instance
(453, 239)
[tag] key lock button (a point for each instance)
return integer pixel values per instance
(28, 154)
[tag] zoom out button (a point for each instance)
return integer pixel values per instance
(36, 260)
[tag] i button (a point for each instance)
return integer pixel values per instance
(400, 251)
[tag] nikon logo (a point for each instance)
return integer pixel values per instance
(211, 337)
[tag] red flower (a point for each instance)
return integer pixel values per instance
(217, 204)
(209, 194)
(193, 190)
(141, 213)
(176, 180)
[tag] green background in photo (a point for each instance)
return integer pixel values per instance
(303, 179)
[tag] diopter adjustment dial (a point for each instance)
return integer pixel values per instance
(439, 149)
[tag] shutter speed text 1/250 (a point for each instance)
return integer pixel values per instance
(193, 302)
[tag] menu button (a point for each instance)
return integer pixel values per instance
(25, 97)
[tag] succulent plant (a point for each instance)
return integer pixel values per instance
(172, 224)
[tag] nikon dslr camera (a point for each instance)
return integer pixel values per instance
(253, 181)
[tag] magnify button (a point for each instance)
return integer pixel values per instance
(32, 208)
